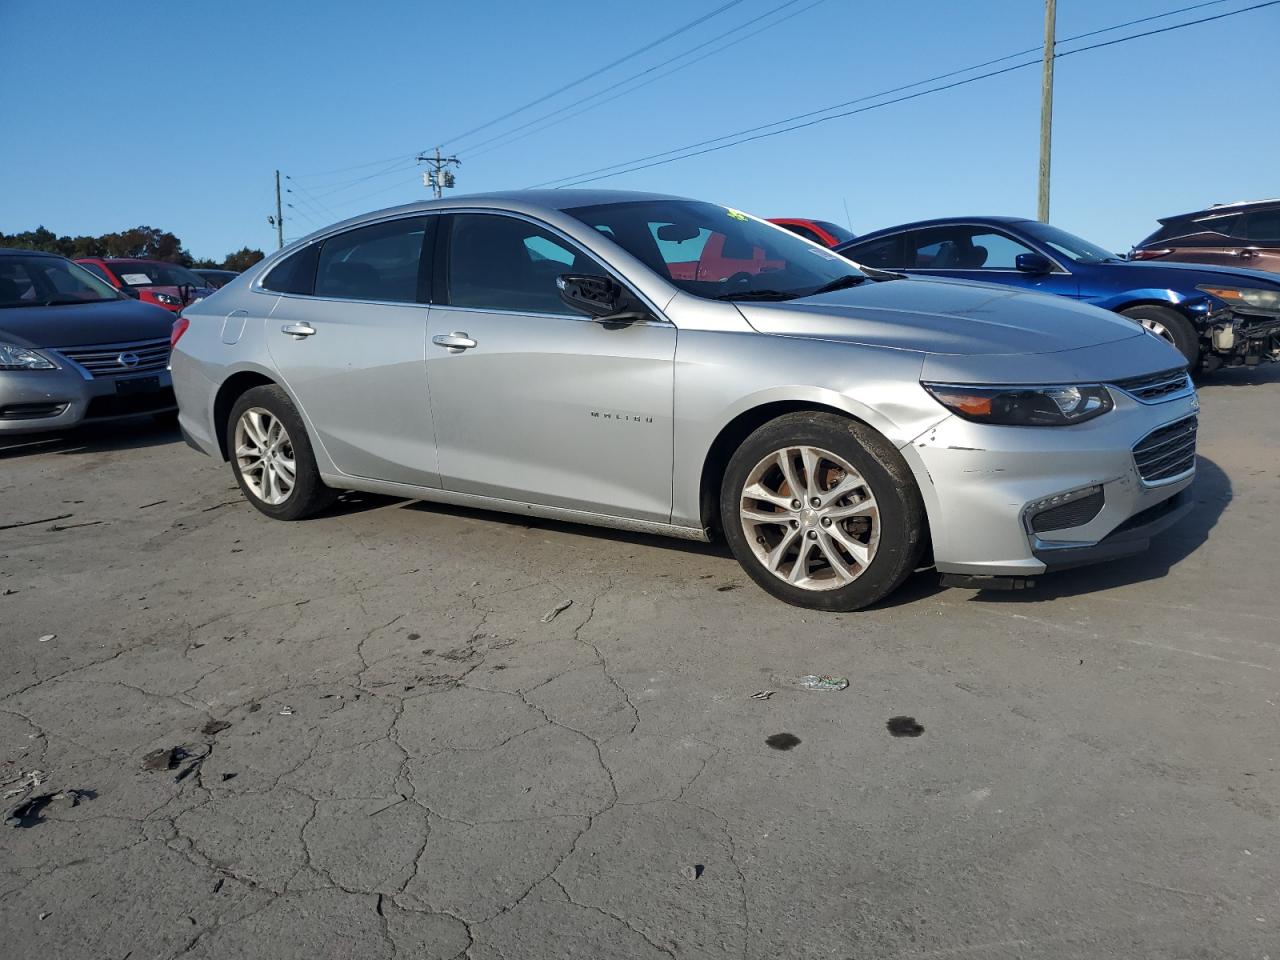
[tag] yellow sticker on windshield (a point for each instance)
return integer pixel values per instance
(736, 214)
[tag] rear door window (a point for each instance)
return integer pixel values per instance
(382, 261)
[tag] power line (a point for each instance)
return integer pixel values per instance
(342, 184)
(303, 195)
(476, 150)
(689, 150)
(599, 70)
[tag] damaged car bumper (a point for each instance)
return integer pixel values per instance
(1010, 501)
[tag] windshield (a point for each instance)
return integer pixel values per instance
(154, 273)
(1068, 244)
(717, 252)
(41, 281)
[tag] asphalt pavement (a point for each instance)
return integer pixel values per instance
(403, 730)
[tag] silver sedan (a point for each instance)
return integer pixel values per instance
(683, 368)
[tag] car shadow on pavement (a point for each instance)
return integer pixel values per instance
(91, 438)
(1264, 373)
(1211, 493)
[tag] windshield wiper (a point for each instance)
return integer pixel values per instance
(839, 283)
(757, 295)
(67, 302)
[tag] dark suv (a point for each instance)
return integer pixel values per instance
(1245, 234)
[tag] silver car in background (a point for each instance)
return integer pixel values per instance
(75, 350)
(682, 368)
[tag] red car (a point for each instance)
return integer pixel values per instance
(819, 231)
(168, 285)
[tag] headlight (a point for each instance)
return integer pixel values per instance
(1268, 300)
(1024, 406)
(13, 357)
(168, 298)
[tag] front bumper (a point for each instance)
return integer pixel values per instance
(34, 401)
(981, 485)
(1242, 338)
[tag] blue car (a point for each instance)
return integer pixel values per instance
(1217, 316)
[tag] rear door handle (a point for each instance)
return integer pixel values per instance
(454, 342)
(298, 330)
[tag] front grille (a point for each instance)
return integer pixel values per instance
(105, 360)
(1167, 452)
(1076, 513)
(131, 404)
(1156, 387)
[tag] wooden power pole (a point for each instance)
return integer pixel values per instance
(279, 211)
(1046, 106)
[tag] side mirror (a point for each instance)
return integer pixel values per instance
(1033, 263)
(598, 297)
(129, 291)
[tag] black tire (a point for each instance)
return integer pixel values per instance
(309, 495)
(1180, 331)
(886, 474)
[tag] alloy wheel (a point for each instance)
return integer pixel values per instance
(810, 518)
(1158, 328)
(264, 454)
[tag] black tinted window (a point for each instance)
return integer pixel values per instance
(1263, 225)
(378, 262)
(965, 248)
(294, 274)
(502, 263)
(1213, 229)
(885, 253)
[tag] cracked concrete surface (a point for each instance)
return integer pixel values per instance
(386, 753)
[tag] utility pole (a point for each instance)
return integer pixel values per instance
(439, 176)
(1046, 105)
(278, 220)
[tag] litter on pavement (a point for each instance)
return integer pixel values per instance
(823, 682)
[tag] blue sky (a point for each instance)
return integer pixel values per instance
(175, 115)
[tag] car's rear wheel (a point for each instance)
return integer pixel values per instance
(1169, 325)
(822, 512)
(271, 456)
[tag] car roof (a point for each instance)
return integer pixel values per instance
(1212, 209)
(19, 252)
(938, 222)
(520, 201)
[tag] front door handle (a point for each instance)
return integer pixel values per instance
(454, 342)
(298, 330)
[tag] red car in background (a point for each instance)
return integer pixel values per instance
(819, 231)
(168, 285)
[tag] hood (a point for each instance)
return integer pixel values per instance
(945, 317)
(1153, 273)
(84, 324)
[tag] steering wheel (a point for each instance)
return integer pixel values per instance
(740, 277)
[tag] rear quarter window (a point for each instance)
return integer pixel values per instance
(295, 273)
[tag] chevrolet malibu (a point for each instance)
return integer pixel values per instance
(573, 355)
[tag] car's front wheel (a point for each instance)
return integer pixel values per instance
(271, 456)
(1169, 325)
(822, 512)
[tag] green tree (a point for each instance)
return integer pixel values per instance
(242, 259)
